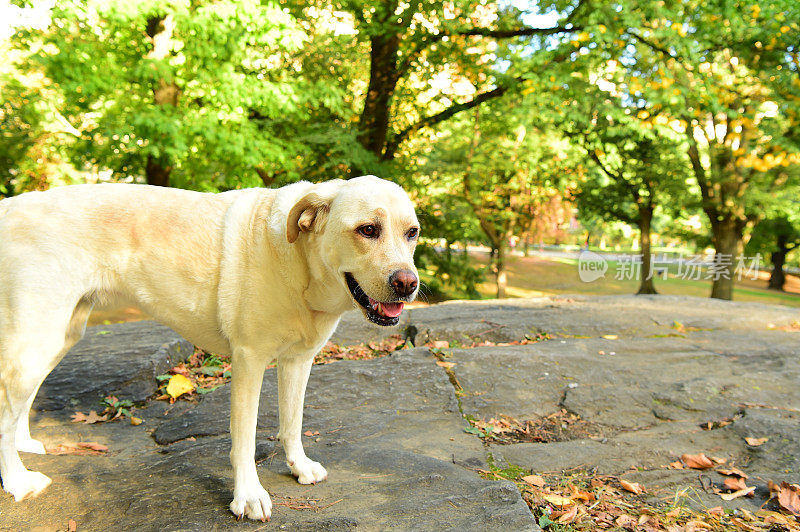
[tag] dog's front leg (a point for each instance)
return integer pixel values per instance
(249, 497)
(292, 378)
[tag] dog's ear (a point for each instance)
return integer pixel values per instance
(310, 210)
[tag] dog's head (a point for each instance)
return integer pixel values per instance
(364, 231)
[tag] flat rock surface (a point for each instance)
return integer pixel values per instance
(121, 360)
(391, 430)
(564, 316)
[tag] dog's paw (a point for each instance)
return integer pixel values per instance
(308, 471)
(253, 503)
(26, 484)
(30, 446)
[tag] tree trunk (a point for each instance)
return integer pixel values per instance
(500, 270)
(159, 29)
(646, 285)
(156, 172)
(383, 75)
(778, 277)
(727, 238)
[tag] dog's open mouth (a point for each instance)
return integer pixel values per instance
(386, 313)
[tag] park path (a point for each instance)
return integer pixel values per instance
(633, 382)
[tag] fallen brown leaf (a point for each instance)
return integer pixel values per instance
(734, 483)
(84, 447)
(677, 464)
(445, 364)
(568, 516)
(755, 442)
(309, 433)
(737, 494)
(578, 495)
(93, 417)
(774, 517)
(733, 472)
(789, 498)
(440, 344)
(534, 480)
(624, 520)
(72, 526)
(136, 420)
(633, 487)
(697, 461)
(692, 526)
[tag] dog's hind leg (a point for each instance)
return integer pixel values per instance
(27, 355)
(75, 331)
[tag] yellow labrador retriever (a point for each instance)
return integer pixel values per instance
(263, 275)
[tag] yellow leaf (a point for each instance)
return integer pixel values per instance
(136, 420)
(534, 480)
(738, 493)
(179, 385)
(558, 500)
(610, 336)
(633, 487)
(755, 442)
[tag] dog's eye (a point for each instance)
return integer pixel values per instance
(412, 233)
(369, 231)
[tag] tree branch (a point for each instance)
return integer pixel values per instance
(398, 138)
(524, 31)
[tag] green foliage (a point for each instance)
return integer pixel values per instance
(231, 111)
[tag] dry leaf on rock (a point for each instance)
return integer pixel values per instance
(755, 442)
(569, 516)
(697, 461)
(633, 487)
(732, 472)
(693, 526)
(84, 447)
(179, 385)
(136, 420)
(440, 344)
(789, 497)
(445, 364)
(578, 495)
(558, 500)
(93, 417)
(610, 336)
(737, 494)
(677, 464)
(734, 483)
(624, 520)
(534, 480)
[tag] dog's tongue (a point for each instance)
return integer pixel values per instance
(389, 310)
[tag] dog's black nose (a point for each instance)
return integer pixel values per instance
(404, 282)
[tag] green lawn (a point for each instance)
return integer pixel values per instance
(535, 276)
